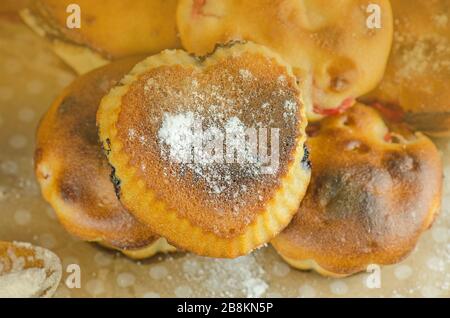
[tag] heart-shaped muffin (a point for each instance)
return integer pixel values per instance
(340, 48)
(75, 176)
(371, 204)
(209, 152)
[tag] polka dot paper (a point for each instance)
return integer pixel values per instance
(30, 78)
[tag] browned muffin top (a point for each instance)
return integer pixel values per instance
(373, 191)
(72, 168)
(248, 91)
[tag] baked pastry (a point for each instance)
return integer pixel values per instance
(415, 87)
(75, 176)
(110, 29)
(328, 43)
(208, 152)
(28, 271)
(368, 204)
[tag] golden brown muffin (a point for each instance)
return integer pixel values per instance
(221, 201)
(327, 42)
(110, 29)
(416, 83)
(373, 192)
(75, 176)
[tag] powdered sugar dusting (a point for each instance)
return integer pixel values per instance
(246, 74)
(176, 132)
(421, 54)
(18, 279)
(214, 153)
(290, 108)
(243, 276)
(24, 283)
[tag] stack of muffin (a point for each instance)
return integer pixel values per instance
(152, 149)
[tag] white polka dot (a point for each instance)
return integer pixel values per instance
(158, 272)
(190, 266)
(151, 295)
(47, 241)
(6, 93)
(9, 167)
(436, 264)
(307, 291)
(26, 115)
(18, 141)
(95, 287)
(125, 280)
(280, 269)
(63, 292)
(22, 217)
(403, 272)
(12, 66)
(440, 234)
(430, 291)
(34, 87)
(102, 259)
(339, 288)
(183, 291)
